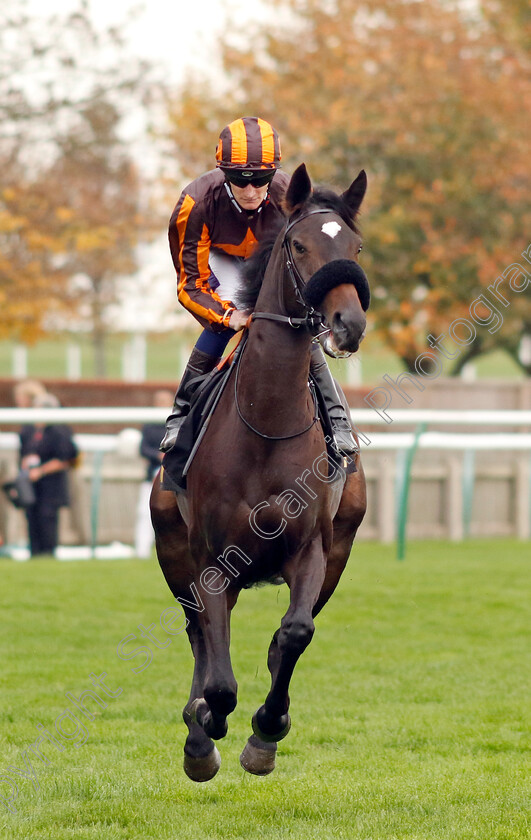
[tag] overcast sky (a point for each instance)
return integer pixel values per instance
(175, 33)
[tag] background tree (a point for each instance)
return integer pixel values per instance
(73, 205)
(98, 190)
(29, 244)
(431, 100)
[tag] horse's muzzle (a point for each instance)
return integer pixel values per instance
(348, 330)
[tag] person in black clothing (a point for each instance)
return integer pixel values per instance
(152, 434)
(46, 452)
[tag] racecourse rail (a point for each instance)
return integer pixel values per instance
(405, 444)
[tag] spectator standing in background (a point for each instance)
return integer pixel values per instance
(26, 391)
(47, 452)
(152, 434)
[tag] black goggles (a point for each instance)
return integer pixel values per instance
(256, 180)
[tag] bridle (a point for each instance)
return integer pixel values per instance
(311, 321)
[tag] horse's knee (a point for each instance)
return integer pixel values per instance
(296, 635)
(221, 699)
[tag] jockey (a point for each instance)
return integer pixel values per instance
(219, 219)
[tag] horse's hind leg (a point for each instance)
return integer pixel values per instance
(201, 758)
(271, 723)
(346, 523)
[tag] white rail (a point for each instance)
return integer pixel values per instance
(121, 415)
(511, 437)
(9, 441)
(360, 416)
(448, 417)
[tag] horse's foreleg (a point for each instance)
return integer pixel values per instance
(258, 757)
(271, 723)
(219, 686)
(201, 757)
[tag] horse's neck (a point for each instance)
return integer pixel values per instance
(277, 360)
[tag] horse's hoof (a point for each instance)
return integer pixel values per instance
(271, 738)
(258, 757)
(202, 769)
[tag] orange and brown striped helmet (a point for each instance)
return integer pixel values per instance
(250, 144)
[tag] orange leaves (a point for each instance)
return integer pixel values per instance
(64, 214)
(433, 101)
(421, 266)
(95, 239)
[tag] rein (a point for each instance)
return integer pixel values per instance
(311, 320)
(261, 434)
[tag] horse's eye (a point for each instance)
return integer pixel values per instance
(298, 247)
(360, 247)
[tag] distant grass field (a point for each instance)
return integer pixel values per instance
(410, 708)
(167, 354)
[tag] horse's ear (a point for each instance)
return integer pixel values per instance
(355, 193)
(299, 189)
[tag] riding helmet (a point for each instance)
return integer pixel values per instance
(248, 144)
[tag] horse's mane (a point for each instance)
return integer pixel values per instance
(254, 268)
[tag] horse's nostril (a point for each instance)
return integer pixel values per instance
(338, 323)
(348, 329)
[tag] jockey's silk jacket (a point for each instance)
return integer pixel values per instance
(207, 216)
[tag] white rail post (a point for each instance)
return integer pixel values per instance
(73, 362)
(20, 361)
(386, 498)
(454, 499)
(522, 500)
(469, 480)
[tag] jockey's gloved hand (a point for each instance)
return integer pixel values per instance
(238, 319)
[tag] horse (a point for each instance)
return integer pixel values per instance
(264, 501)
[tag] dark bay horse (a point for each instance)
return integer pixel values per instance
(264, 501)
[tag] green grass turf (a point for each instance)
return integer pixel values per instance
(410, 709)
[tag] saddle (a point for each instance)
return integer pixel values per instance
(177, 460)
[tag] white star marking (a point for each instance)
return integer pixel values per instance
(331, 229)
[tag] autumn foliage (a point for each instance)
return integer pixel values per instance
(72, 210)
(432, 98)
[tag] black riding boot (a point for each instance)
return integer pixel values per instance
(199, 364)
(342, 429)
